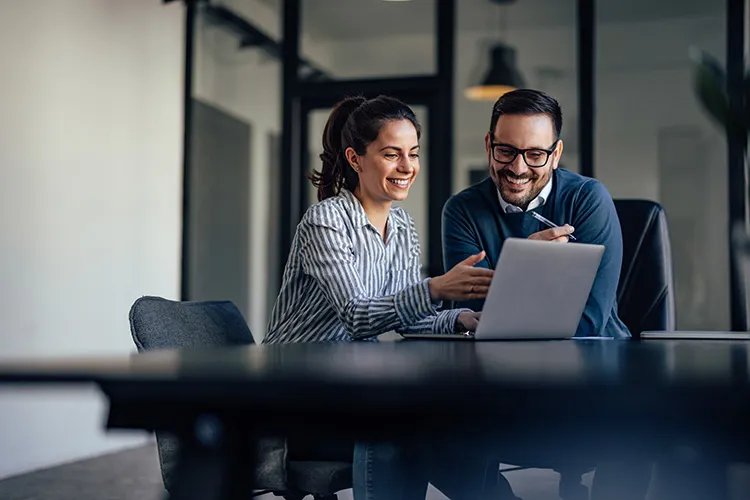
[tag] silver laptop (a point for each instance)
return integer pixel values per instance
(539, 291)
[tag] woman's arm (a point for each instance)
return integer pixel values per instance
(443, 322)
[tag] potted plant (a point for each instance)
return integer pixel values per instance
(712, 89)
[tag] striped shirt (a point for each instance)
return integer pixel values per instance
(343, 282)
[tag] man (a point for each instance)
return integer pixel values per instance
(523, 148)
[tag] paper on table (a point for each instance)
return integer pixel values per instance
(696, 335)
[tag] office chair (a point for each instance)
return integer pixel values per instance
(645, 294)
(158, 323)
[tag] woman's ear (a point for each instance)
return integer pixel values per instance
(353, 158)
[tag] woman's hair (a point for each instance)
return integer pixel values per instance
(354, 123)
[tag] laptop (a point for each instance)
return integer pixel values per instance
(539, 291)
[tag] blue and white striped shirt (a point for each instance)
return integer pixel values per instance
(342, 282)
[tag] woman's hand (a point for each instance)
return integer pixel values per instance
(467, 321)
(463, 282)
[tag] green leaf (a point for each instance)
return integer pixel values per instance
(709, 81)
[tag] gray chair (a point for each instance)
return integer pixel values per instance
(158, 323)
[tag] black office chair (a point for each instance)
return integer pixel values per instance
(158, 323)
(645, 294)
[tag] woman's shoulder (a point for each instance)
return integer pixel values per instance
(330, 212)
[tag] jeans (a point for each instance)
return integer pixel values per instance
(402, 470)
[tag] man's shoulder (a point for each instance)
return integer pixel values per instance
(581, 189)
(470, 197)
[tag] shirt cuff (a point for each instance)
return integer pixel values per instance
(414, 303)
(446, 321)
(436, 303)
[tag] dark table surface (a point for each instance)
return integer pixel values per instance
(630, 384)
(649, 365)
(540, 402)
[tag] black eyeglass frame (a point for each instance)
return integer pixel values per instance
(523, 152)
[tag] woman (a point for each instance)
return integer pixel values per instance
(354, 271)
(354, 267)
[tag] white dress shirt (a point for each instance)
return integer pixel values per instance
(536, 202)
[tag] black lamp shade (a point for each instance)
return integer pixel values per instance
(502, 77)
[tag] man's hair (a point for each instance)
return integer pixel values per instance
(527, 102)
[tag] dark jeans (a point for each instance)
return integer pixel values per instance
(401, 471)
(612, 481)
(334, 450)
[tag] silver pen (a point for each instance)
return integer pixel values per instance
(548, 222)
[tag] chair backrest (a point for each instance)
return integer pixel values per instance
(645, 294)
(158, 323)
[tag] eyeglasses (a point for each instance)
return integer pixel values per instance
(535, 158)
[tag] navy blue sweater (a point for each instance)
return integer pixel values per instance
(474, 221)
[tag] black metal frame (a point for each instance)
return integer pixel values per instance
(736, 144)
(521, 152)
(299, 98)
(291, 117)
(586, 84)
(190, 7)
(252, 36)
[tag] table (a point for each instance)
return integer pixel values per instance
(605, 397)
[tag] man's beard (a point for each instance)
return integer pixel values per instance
(522, 199)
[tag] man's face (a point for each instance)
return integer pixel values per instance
(518, 182)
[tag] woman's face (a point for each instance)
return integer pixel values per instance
(390, 163)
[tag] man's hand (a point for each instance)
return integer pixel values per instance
(468, 321)
(556, 234)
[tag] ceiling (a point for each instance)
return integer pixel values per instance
(346, 19)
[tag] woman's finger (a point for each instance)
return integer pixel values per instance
(480, 271)
(479, 292)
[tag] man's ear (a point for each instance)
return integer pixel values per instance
(557, 154)
(353, 158)
(488, 148)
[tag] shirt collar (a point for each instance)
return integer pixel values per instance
(359, 216)
(536, 202)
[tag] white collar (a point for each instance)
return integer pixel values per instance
(536, 202)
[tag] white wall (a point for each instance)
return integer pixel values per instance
(90, 183)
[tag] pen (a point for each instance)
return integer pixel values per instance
(548, 223)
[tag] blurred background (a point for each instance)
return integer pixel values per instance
(162, 148)
(645, 133)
